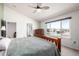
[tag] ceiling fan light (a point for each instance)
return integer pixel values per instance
(38, 10)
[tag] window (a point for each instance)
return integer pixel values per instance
(65, 27)
(49, 25)
(56, 28)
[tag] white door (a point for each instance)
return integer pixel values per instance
(10, 29)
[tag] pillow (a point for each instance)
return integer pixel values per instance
(4, 43)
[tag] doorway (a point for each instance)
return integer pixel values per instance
(11, 29)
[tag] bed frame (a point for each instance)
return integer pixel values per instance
(40, 33)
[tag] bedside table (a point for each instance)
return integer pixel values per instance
(2, 52)
(0, 38)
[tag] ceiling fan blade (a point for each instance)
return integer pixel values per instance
(35, 5)
(39, 4)
(45, 7)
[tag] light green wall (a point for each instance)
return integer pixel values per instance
(43, 26)
(1, 14)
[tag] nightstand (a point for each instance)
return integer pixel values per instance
(0, 38)
(2, 52)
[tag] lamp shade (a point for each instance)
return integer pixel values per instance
(3, 28)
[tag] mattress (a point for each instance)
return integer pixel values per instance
(31, 46)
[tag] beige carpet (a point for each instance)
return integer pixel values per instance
(68, 52)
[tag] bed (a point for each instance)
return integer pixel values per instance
(31, 46)
(40, 33)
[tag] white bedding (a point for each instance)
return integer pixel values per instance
(31, 46)
(4, 44)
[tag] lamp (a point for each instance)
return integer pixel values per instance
(3, 28)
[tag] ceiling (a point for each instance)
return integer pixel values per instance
(54, 10)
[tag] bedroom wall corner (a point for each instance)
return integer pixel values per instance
(21, 21)
(74, 28)
(1, 14)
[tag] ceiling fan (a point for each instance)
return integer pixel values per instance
(39, 7)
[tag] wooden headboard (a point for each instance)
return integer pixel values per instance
(40, 33)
